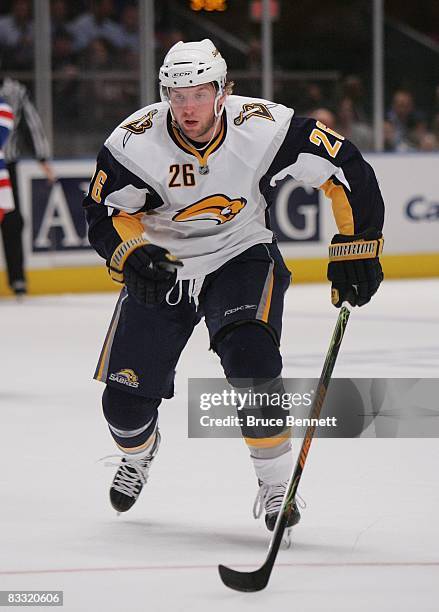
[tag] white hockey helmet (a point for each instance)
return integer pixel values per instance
(192, 63)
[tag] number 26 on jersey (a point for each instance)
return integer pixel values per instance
(181, 175)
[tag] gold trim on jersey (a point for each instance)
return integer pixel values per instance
(201, 156)
(265, 302)
(128, 226)
(268, 302)
(104, 358)
(268, 442)
(341, 207)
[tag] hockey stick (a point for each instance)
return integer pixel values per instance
(258, 579)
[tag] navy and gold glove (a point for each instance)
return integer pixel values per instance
(147, 270)
(354, 267)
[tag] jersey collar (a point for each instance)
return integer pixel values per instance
(202, 155)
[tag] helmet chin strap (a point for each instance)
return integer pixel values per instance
(218, 111)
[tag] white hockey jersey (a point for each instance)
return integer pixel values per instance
(205, 207)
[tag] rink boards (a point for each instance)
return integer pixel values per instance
(60, 259)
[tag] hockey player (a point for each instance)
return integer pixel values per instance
(178, 208)
(6, 125)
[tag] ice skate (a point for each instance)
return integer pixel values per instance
(269, 498)
(130, 477)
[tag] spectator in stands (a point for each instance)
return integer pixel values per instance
(59, 16)
(165, 39)
(254, 54)
(428, 142)
(107, 94)
(325, 116)
(16, 36)
(353, 88)
(129, 21)
(433, 30)
(99, 55)
(435, 126)
(62, 50)
(311, 97)
(408, 122)
(65, 86)
(436, 98)
(349, 125)
(389, 137)
(97, 23)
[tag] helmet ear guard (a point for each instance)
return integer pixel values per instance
(190, 64)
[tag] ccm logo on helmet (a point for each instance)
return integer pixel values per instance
(181, 74)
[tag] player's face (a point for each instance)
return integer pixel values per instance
(193, 109)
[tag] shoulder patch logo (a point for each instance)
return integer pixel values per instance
(218, 208)
(126, 377)
(138, 126)
(254, 109)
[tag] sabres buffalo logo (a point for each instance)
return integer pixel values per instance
(128, 374)
(218, 208)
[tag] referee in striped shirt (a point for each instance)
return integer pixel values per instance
(16, 95)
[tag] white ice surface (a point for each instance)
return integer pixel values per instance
(368, 540)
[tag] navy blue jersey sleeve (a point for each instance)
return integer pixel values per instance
(115, 203)
(320, 157)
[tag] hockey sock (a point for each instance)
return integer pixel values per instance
(273, 464)
(132, 420)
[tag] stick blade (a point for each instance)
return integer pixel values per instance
(249, 582)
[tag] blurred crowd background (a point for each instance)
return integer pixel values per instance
(322, 62)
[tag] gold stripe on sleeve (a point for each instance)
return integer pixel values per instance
(201, 157)
(128, 226)
(340, 206)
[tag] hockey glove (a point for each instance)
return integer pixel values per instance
(148, 271)
(354, 267)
